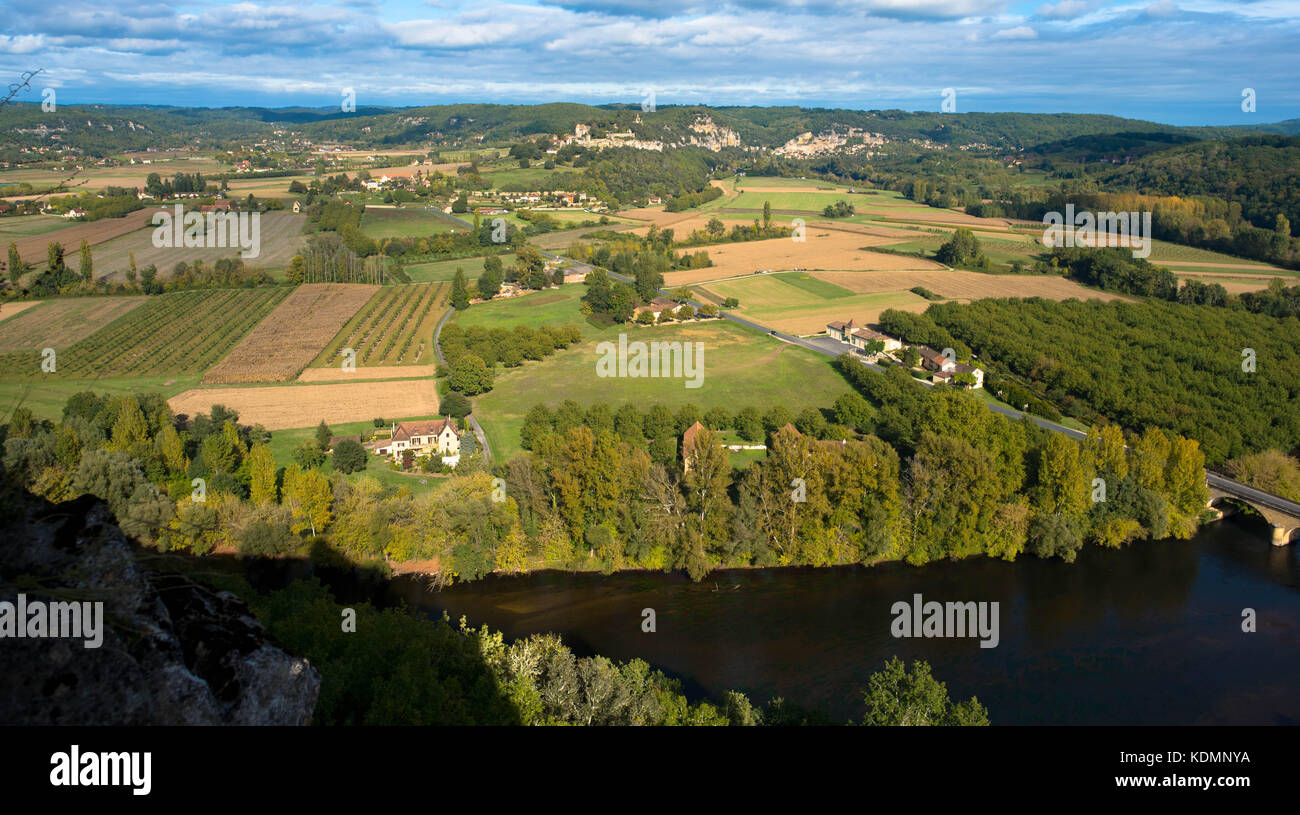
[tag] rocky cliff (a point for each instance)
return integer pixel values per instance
(173, 651)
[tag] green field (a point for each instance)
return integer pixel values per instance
(21, 226)
(740, 368)
(395, 327)
(803, 306)
(177, 333)
(406, 222)
(444, 270)
(46, 398)
(812, 285)
(552, 306)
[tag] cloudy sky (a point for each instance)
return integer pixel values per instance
(1178, 61)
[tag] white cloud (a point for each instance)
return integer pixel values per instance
(1020, 32)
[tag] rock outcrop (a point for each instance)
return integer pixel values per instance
(173, 651)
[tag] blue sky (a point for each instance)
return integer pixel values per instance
(1177, 61)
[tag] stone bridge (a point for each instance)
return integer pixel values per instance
(1283, 514)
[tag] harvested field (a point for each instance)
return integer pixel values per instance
(8, 310)
(961, 285)
(280, 238)
(822, 250)
(394, 328)
(291, 336)
(337, 374)
(32, 249)
(59, 324)
(286, 406)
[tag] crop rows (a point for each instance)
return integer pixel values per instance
(176, 333)
(394, 328)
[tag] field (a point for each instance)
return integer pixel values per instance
(406, 222)
(280, 238)
(803, 303)
(550, 307)
(821, 250)
(19, 226)
(46, 397)
(362, 373)
(287, 406)
(741, 368)
(32, 249)
(445, 270)
(59, 324)
(794, 303)
(290, 337)
(394, 328)
(8, 310)
(175, 333)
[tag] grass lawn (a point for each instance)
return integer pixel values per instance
(812, 285)
(552, 306)
(740, 368)
(445, 270)
(406, 222)
(789, 303)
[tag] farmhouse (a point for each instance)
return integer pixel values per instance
(859, 336)
(935, 361)
(960, 368)
(438, 436)
(659, 305)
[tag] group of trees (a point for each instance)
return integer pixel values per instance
(840, 209)
(473, 353)
(1223, 376)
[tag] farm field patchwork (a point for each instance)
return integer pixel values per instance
(175, 333)
(797, 306)
(741, 368)
(445, 270)
(362, 373)
(20, 226)
(962, 285)
(394, 328)
(292, 335)
(285, 406)
(61, 323)
(8, 310)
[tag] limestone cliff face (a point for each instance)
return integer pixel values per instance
(173, 652)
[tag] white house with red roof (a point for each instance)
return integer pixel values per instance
(434, 437)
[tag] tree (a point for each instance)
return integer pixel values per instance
(261, 471)
(767, 214)
(489, 283)
(456, 404)
(895, 697)
(309, 499)
(16, 267)
(54, 257)
(87, 264)
(308, 455)
(470, 375)
(349, 456)
(963, 248)
(459, 292)
(461, 204)
(323, 434)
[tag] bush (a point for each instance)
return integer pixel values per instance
(457, 405)
(349, 457)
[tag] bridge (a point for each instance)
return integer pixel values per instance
(1284, 515)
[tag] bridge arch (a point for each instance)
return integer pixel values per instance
(1286, 527)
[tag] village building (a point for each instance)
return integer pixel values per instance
(658, 306)
(435, 437)
(960, 368)
(858, 336)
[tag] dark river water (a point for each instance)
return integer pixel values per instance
(1147, 634)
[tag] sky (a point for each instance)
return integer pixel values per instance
(1181, 62)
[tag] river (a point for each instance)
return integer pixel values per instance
(1147, 634)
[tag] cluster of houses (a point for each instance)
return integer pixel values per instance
(943, 368)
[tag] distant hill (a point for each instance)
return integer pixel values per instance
(1261, 173)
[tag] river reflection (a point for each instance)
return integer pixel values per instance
(1147, 634)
